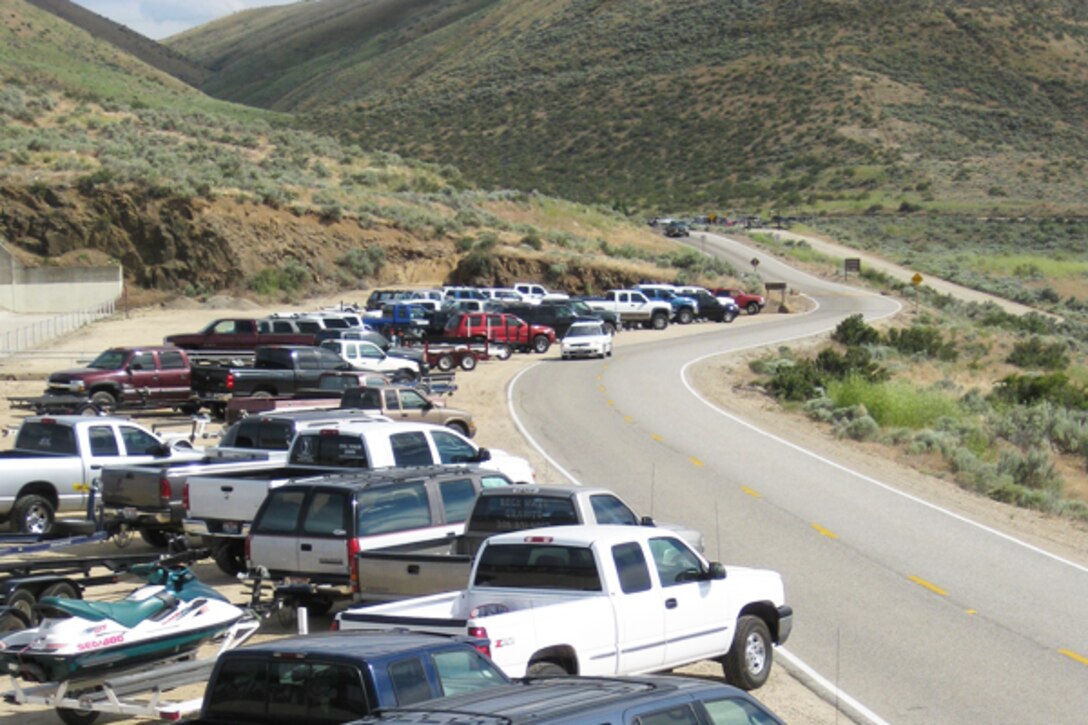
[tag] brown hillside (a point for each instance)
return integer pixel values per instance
(153, 53)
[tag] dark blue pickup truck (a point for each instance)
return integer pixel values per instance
(337, 676)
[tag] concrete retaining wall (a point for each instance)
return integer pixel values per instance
(55, 289)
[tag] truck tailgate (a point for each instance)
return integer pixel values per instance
(210, 380)
(386, 575)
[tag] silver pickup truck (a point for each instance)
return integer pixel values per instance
(634, 308)
(414, 570)
(56, 458)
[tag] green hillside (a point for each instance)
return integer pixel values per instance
(823, 106)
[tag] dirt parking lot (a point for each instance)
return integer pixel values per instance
(482, 392)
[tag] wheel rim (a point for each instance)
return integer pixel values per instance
(755, 654)
(753, 308)
(36, 520)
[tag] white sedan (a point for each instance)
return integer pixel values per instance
(586, 339)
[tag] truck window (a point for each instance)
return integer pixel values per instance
(240, 689)
(171, 360)
(310, 359)
(308, 326)
(411, 400)
(538, 566)
(675, 563)
(515, 512)
(224, 327)
(280, 514)
(409, 681)
(457, 498)
(679, 715)
(312, 692)
(274, 359)
(610, 510)
(326, 515)
(411, 449)
(452, 448)
(325, 449)
(392, 400)
(103, 441)
(464, 671)
(108, 360)
(143, 361)
(392, 508)
(631, 566)
(493, 481)
(138, 442)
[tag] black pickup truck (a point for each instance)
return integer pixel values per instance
(277, 370)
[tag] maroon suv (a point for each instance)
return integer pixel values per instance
(151, 377)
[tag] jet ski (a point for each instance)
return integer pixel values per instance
(172, 614)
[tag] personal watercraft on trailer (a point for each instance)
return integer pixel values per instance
(172, 613)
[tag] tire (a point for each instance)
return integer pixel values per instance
(261, 394)
(32, 514)
(753, 308)
(610, 328)
(77, 717)
(104, 400)
(685, 316)
(503, 352)
(748, 662)
(459, 427)
(729, 317)
(20, 604)
(88, 410)
(230, 558)
(218, 411)
(468, 362)
(660, 321)
(404, 375)
(64, 590)
(541, 344)
(189, 409)
(546, 668)
(445, 362)
(155, 537)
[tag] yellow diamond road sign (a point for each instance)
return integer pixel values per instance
(916, 279)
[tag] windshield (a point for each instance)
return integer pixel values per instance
(109, 360)
(583, 331)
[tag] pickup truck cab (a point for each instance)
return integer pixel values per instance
(747, 301)
(602, 600)
(145, 377)
(534, 293)
(364, 355)
(634, 308)
(311, 531)
(645, 700)
(236, 334)
(55, 458)
(427, 568)
(400, 403)
(334, 677)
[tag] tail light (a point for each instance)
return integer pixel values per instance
(335, 626)
(353, 551)
(184, 495)
(230, 381)
(484, 645)
(164, 491)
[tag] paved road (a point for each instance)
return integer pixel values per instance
(919, 615)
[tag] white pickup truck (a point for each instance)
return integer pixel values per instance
(55, 458)
(634, 308)
(602, 600)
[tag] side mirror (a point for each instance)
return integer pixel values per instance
(159, 451)
(483, 455)
(647, 521)
(716, 570)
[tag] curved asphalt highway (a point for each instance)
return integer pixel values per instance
(914, 614)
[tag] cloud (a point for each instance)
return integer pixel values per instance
(162, 18)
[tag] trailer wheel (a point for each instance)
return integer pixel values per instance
(155, 537)
(32, 514)
(77, 717)
(104, 400)
(503, 352)
(64, 590)
(19, 611)
(468, 362)
(445, 362)
(230, 558)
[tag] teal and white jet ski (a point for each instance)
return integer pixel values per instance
(173, 613)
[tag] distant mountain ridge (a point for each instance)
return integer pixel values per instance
(833, 104)
(154, 54)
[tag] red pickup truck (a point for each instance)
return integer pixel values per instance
(750, 303)
(501, 327)
(238, 334)
(143, 377)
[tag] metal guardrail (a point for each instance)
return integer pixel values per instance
(30, 336)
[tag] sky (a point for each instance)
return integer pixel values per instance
(158, 19)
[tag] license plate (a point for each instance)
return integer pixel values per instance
(129, 512)
(231, 527)
(296, 580)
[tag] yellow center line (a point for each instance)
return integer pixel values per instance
(628, 419)
(825, 532)
(931, 587)
(696, 462)
(601, 388)
(972, 612)
(657, 438)
(611, 402)
(751, 492)
(1074, 656)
